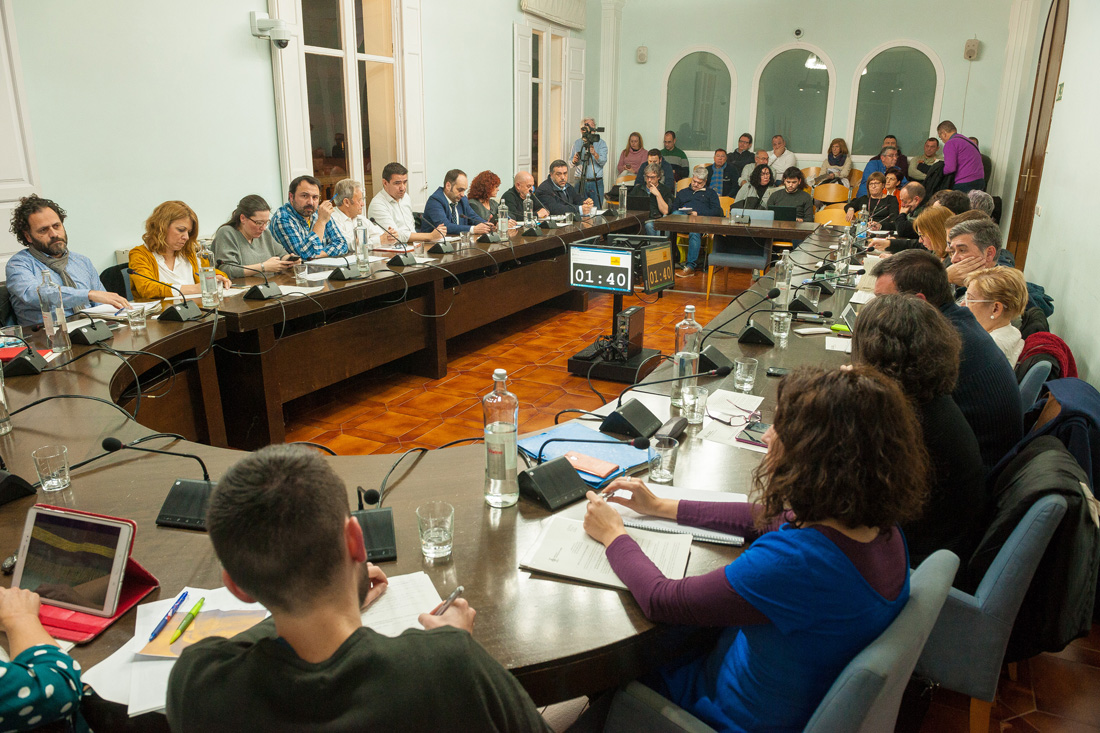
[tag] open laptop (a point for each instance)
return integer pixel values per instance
(637, 199)
(785, 213)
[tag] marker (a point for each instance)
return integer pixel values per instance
(164, 621)
(447, 603)
(187, 620)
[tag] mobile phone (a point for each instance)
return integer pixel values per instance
(291, 258)
(753, 434)
(777, 371)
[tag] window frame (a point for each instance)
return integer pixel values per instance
(826, 133)
(687, 51)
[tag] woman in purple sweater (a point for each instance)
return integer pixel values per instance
(845, 465)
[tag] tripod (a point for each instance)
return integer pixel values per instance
(588, 165)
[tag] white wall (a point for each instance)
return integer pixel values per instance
(1062, 255)
(134, 102)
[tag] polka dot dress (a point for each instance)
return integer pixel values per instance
(39, 686)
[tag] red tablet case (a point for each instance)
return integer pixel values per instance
(80, 627)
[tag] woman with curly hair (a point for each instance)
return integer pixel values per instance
(908, 339)
(759, 189)
(804, 599)
(169, 253)
(482, 195)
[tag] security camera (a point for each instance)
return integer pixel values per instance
(798, 33)
(273, 30)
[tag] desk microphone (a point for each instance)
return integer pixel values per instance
(717, 372)
(26, 362)
(379, 536)
(635, 419)
(399, 260)
(755, 334)
(93, 333)
(185, 311)
(556, 483)
(257, 292)
(347, 272)
(801, 304)
(710, 357)
(187, 501)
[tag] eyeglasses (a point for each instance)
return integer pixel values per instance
(260, 224)
(968, 300)
(735, 420)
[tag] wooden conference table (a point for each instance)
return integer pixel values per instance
(788, 230)
(560, 639)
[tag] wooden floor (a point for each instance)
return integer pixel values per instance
(384, 411)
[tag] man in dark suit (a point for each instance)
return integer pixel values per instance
(514, 197)
(448, 205)
(559, 196)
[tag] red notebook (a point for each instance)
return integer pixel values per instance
(8, 353)
(80, 627)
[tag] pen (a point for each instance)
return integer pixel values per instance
(447, 603)
(120, 311)
(168, 617)
(187, 620)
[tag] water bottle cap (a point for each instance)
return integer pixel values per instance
(500, 374)
(689, 309)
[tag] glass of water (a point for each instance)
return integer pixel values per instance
(781, 326)
(662, 459)
(695, 404)
(744, 373)
(436, 521)
(300, 270)
(52, 464)
(135, 317)
(813, 294)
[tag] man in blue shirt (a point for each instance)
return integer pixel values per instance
(450, 207)
(696, 200)
(39, 226)
(558, 196)
(721, 177)
(888, 158)
(591, 158)
(304, 225)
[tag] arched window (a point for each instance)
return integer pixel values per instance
(792, 99)
(897, 94)
(697, 101)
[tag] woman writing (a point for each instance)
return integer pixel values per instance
(882, 208)
(634, 155)
(801, 601)
(169, 254)
(931, 226)
(759, 188)
(244, 241)
(996, 296)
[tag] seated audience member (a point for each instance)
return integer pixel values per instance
(391, 209)
(837, 165)
(448, 206)
(799, 603)
(738, 159)
(41, 683)
(918, 166)
(660, 195)
(758, 190)
(675, 157)
(980, 201)
(721, 176)
(348, 196)
(931, 228)
(514, 197)
(483, 193)
(902, 161)
(888, 158)
(997, 296)
(655, 158)
(304, 225)
(746, 172)
(893, 182)
(169, 254)
(39, 225)
(975, 244)
(792, 196)
(911, 202)
(780, 159)
(633, 156)
(698, 200)
(907, 339)
(280, 526)
(987, 162)
(986, 391)
(961, 158)
(957, 201)
(560, 197)
(881, 208)
(245, 241)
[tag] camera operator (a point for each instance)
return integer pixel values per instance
(590, 155)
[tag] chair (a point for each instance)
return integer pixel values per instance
(808, 174)
(865, 697)
(739, 252)
(627, 178)
(854, 178)
(981, 623)
(841, 205)
(7, 312)
(831, 216)
(683, 183)
(831, 193)
(116, 281)
(1032, 383)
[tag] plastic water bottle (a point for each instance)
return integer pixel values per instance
(622, 199)
(362, 241)
(686, 356)
(861, 229)
(502, 219)
(501, 409)
(782, 272)
(53, 315)
(528, 212)
(5, 416)
(208, 280)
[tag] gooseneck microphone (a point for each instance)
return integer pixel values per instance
(640, 443)
(257, 292)
(187, 500)
(113, 444)
(720, 372)
(634, 419)
(770, 295)
(403, 259)
(185, 311)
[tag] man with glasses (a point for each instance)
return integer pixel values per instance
(743, 156)
(888, 158)
(659, 190)
(746, 171)
(902, 161)
(348, 215)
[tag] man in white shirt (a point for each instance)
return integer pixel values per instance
(780, 159)
(348, 215)
(390, 208)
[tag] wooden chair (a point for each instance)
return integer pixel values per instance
(627, 178)
(854, 178)
(842, 205)
(682, 184)
(831, 216)
(808, 174)
(831, 193)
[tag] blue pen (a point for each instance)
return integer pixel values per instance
(164, 621)
(120, 311)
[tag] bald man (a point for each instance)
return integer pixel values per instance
(514, 197)
(760, 159)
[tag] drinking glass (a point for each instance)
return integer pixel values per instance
(300, 270)
(695, 404)
(662, 459)
(135, 317)
(813, 294)
(52, 464)
(781, 326)
(436, 521)
(744, 373)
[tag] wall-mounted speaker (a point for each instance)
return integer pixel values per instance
(970, 50)
(642, 54)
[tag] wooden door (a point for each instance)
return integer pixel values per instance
(1038, 131)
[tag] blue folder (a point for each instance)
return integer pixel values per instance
(625, 455)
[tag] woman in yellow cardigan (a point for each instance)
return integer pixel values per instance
(170, 253)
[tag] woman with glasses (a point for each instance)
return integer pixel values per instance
(827, 570)
(996, 296)
(882, 208)
(758, 190)
(245, 240)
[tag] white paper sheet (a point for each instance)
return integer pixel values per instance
(405, 599)
(862, 296)
(834, 343)
(813, 331)
(577, 511)
(318, 276)
(301, 289)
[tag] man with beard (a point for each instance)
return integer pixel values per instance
(304, 224)
(39, 226)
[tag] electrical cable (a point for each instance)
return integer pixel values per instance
(318, 446)
(386, 478)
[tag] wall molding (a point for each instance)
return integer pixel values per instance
(755, 92)
(611, 27)
(730, 131)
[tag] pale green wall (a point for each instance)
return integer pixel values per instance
(134, 102)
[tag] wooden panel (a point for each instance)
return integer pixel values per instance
(484, 301)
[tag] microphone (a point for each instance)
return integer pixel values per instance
(114, 444)
(717, 372)
(641, 443)
(399, 260)
(187, 500)
(634, 419)
(770, 295)
(556, 483)
(379, 536)
(801, 304)
(185, 311)
(93, 333)
(26, 362)
(257, 292)
(347, 272)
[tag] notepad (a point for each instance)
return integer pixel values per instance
(609, 449)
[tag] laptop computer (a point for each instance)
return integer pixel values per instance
(637, 201)
(785, 213)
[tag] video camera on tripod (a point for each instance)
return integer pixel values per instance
(589, 136)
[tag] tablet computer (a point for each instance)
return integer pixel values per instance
(73, 560)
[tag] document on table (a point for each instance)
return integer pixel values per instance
(565, 549)
(301, 289)
(318, 276)
(406, 597)
(862, 296)
(105, 310)
(835, 343)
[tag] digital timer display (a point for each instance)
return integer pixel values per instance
(657, 266)
(601, 268)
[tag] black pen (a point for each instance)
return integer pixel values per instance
(447, 603)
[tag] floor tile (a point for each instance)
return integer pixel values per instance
(1066, 689)
(1047, 724)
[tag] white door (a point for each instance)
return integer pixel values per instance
(18, 173)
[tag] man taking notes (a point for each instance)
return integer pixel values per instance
(280, 526)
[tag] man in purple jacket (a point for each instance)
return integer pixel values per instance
(961, 157)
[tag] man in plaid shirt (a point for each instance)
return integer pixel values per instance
(305, 228)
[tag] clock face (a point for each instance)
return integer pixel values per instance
(601, 268)
(658, 267)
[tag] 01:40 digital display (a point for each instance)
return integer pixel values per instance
(601, 268)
